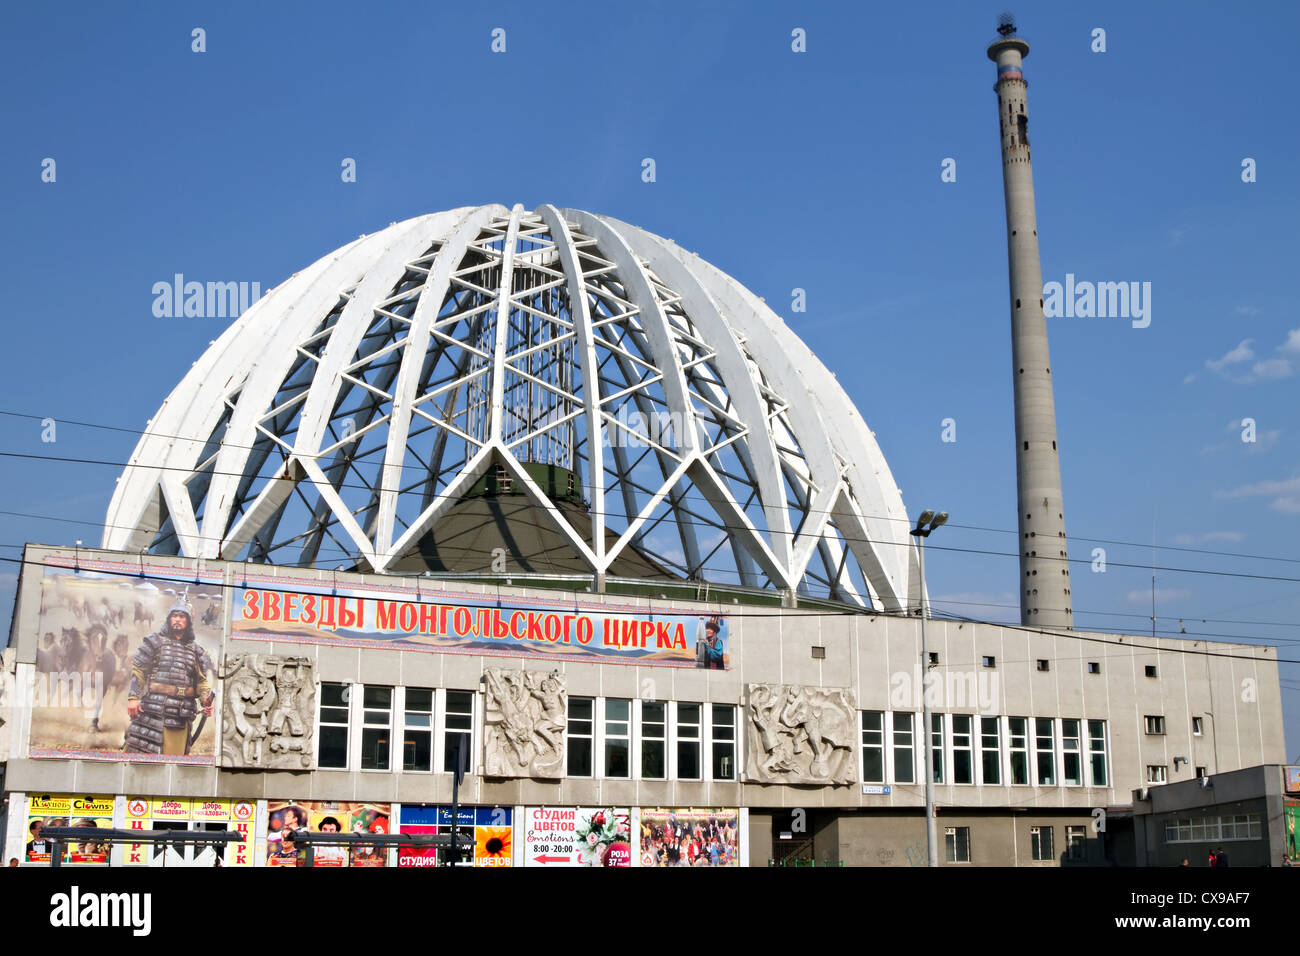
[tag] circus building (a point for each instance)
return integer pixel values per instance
(541, 514)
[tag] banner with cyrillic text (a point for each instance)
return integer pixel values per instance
(603, 634)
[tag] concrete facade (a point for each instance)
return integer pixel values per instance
(1031, 674)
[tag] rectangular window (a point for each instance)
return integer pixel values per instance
(1198, 726)
(1042, 666)
(688, 741)
(458, 727)
(936, 745)
(1097, 753)
(904, 754)
(1156, 773)
(1040, 839)
(1151, 670)
(333, 726)
(580, 735)
(963, 768)
(990, 751)
(654, 739)
(376, 727)
(618, 738)
(1019, 746)
(873, 746)
(1076, 842)
(1045, 748)
(1094, 667)
(723, 742)
(956, 841)
(1155, 725)
(1200, 772)
(988, 660)
(417, 733)
(1071, 759)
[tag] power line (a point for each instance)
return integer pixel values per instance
(846, 612)
(404, 466)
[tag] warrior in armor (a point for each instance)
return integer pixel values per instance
(169, 683)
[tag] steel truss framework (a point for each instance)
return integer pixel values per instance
(343, 414)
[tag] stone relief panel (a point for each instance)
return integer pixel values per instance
(524, 716)
(268, 712)
(801, 735)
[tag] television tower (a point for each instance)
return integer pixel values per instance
(1044, 571)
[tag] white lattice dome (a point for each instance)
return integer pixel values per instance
(541, 392)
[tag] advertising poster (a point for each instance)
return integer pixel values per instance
(577, 836)
(124, 665)
(690, 837)
(285, 816)
(286, 611)
(149, 813)
(1291, 813)
(488, 830)
(62, 810)
(1291, 779)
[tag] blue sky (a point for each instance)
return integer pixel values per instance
(817, 170)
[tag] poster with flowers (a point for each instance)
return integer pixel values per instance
(578, 836)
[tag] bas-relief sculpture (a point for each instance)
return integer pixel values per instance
(524, 717)
(801, 735)
(268, 711)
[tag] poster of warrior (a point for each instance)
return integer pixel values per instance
(125, 667)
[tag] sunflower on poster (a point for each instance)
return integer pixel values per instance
(492, 846)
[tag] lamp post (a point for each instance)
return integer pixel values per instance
(924, 525)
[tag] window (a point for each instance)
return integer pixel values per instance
(1040, 839)
(1198, 726)
(1071, 760)
(654, 739)
(376, 727)
(989, 660)
(688, 741)
(1076, 842)
(1151, 670)
(1019, 747)
(417, 735)
(1042, 666)
(818, 652)
(1200, 772)
(934, 658)
(963, 770)
(1045, 747)
(618, 738)
(1155, 725)
(956, 842)
(723, 742)
(1094, 667)
(904, 755)
(333, 726)
(1156, 773)
(1213, 829)
(873, 746)
(458, 726)
(1097, 752)
(990, 751)
(580, 735)
(936, 745)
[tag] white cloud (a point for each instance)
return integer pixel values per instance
(1292, 343)
(1162, 594)
(1208, 536)
(1271, 369)
(1288, 505)
(1287, 486)
(1242, 353)
(1246, 310)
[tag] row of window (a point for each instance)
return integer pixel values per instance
(1155, 725)
(957, 843)
(685, 740)
(606, 737)
(989, 660)
(1213, 829)
(992, 751)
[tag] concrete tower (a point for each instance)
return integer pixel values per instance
(1044, 571)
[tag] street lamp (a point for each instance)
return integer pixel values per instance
(924, 526)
